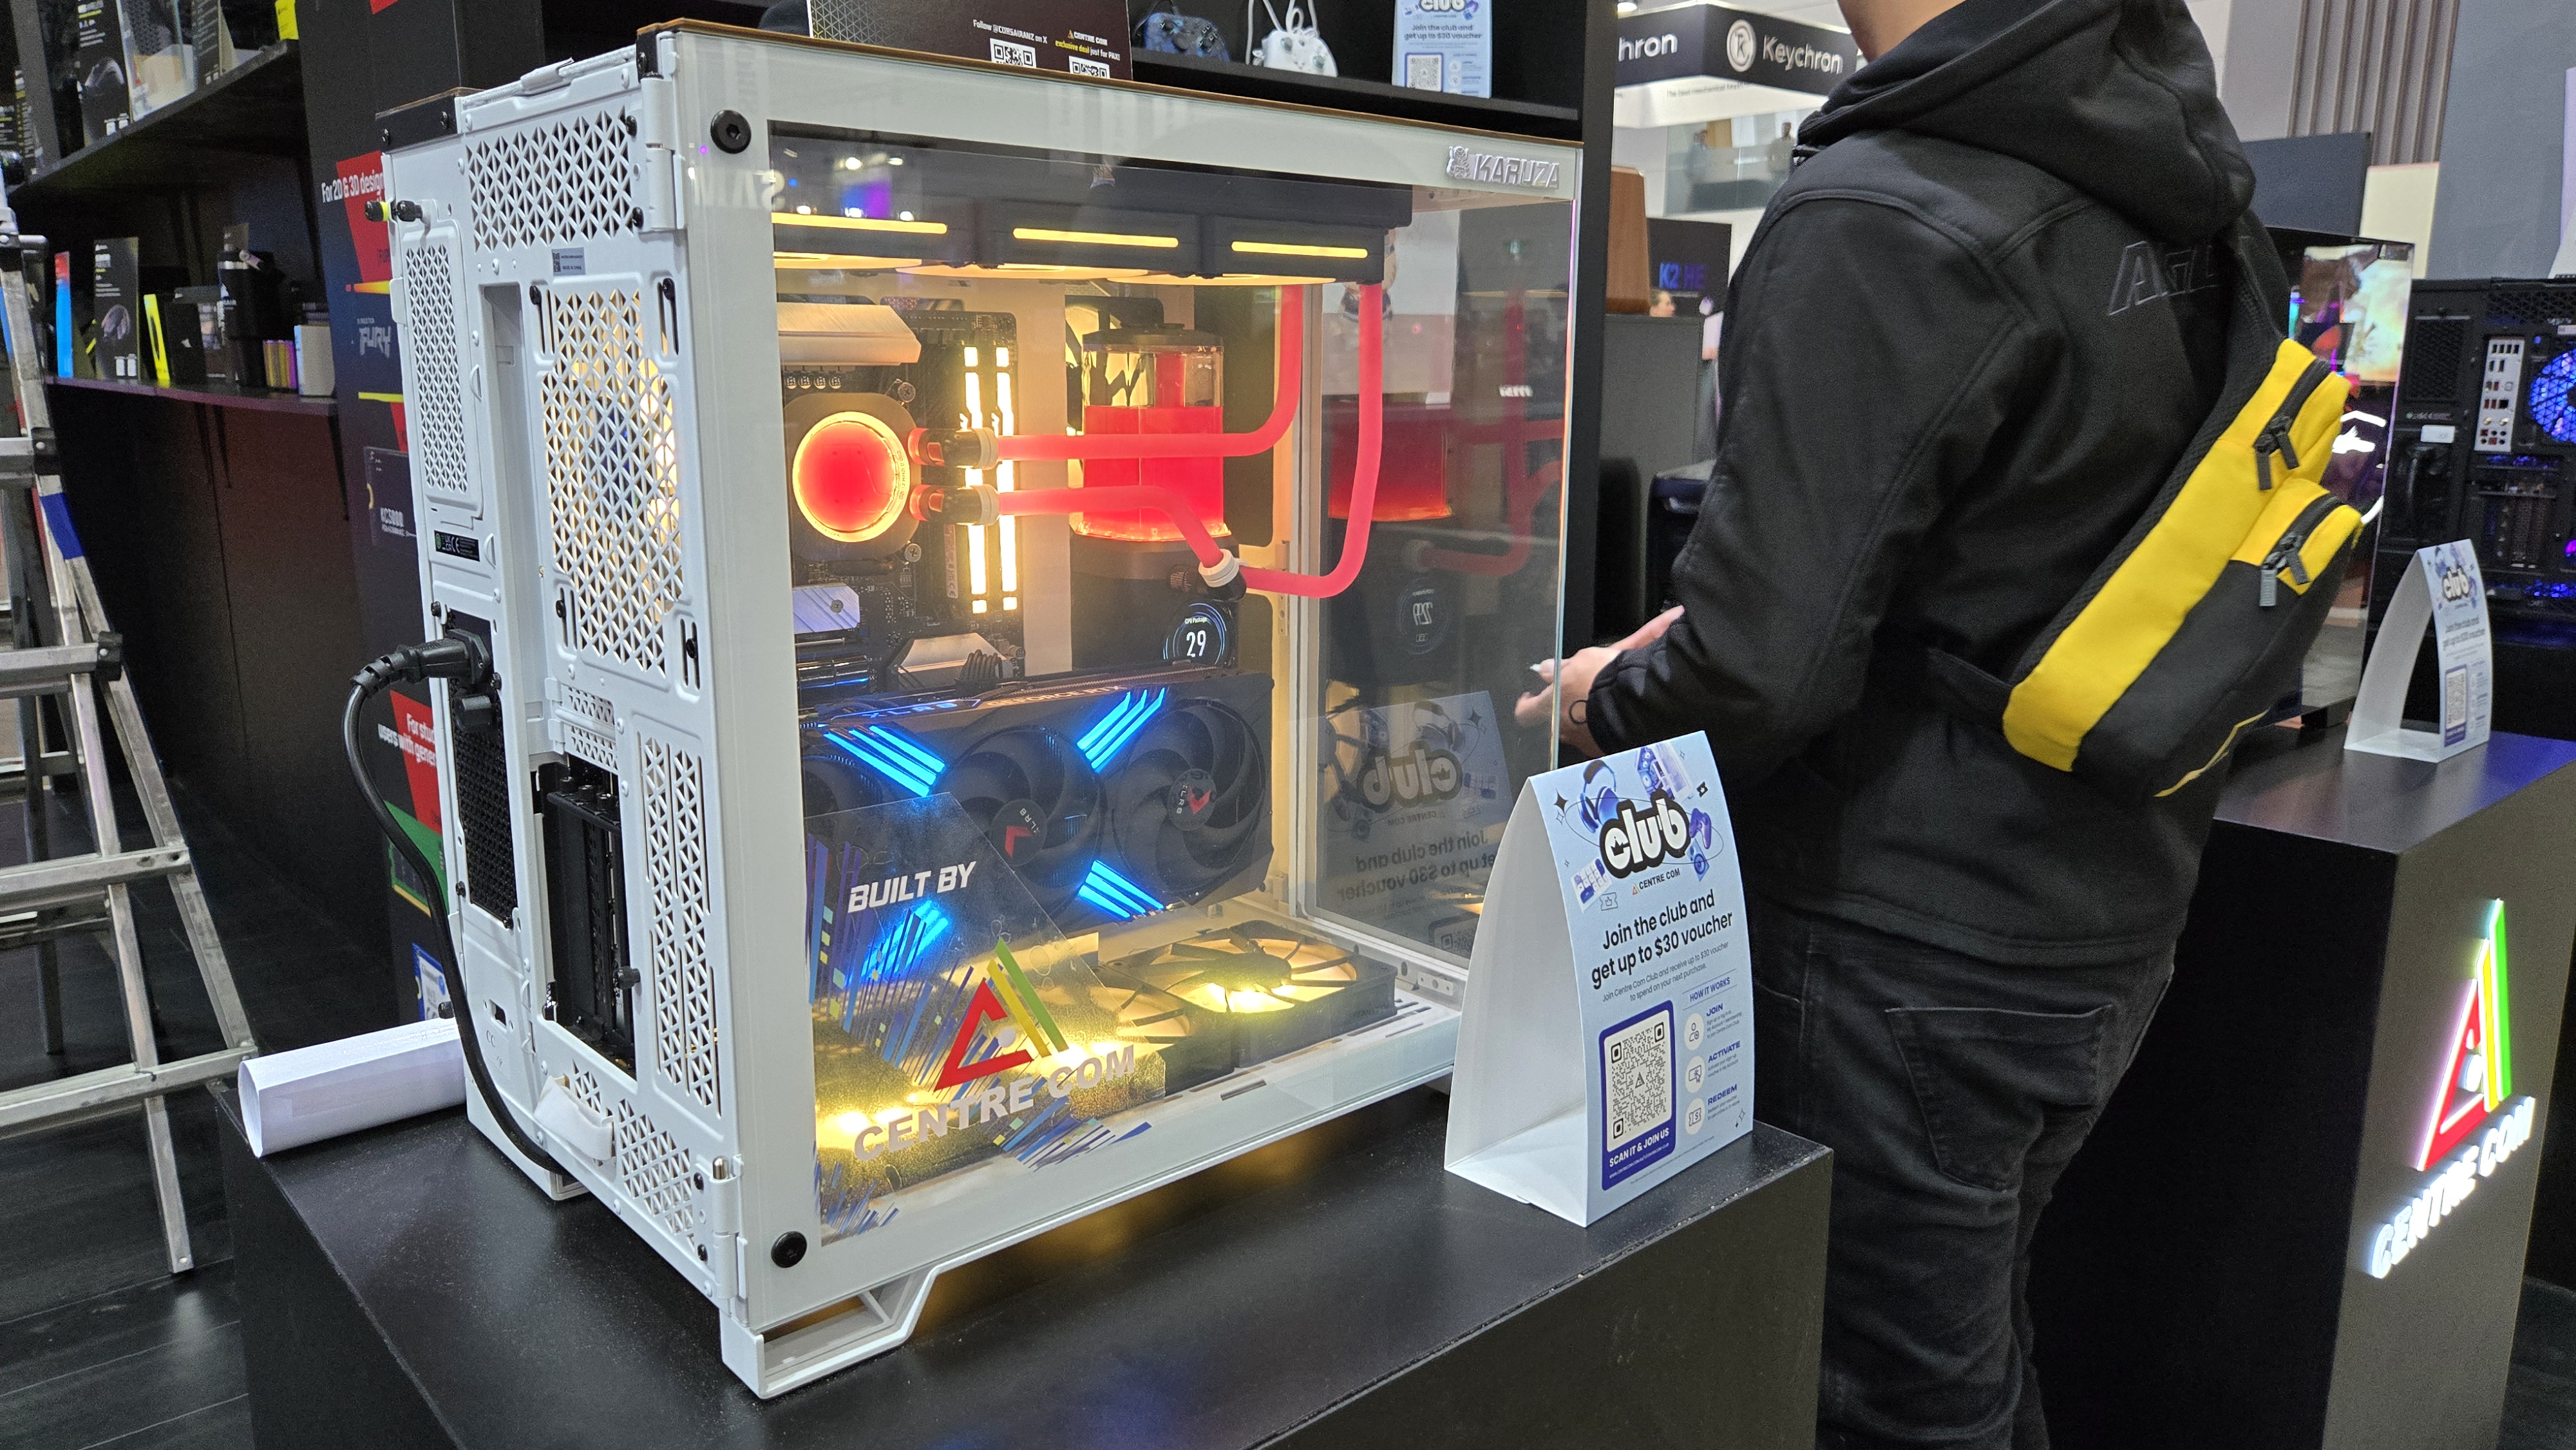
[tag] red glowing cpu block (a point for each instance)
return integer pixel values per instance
(851, 477)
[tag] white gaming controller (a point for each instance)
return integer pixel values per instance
(1293, 43)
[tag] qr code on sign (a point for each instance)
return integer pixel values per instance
(1422, 72)
(1011, 52)
(1637, 1065)
(1083, 67)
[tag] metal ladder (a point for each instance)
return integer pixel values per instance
(61, 646)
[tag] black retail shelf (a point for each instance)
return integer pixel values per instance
(214, 394)
(257, 106)
(1345, 93)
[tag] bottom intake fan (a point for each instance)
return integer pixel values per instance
(1231, 999)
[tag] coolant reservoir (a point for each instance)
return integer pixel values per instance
(1153, 380)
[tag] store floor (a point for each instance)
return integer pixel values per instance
(98, 1344)
(99, 1347)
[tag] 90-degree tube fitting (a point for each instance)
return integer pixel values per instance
(1224, 578)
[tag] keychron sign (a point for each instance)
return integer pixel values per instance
(1692, 41)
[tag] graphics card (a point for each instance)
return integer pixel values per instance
(1111, 799)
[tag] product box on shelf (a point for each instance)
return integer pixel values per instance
(116, 308)
(960, 756)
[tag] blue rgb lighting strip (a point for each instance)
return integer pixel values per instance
(888, 968)
(1110, 733)
(891, 753)
(885, 977)
(1115, 894)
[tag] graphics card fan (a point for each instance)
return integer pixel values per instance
(834, 787)
(1185, 801)
(2553, 398)
(1038, 801)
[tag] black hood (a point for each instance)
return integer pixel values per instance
(2117, 98)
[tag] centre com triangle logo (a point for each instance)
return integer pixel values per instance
(1003, 996)
(2480, 1074)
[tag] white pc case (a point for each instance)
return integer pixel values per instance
(865, 860)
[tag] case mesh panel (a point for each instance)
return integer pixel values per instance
(589, 727)
(483, 800)
(654, 1170)
(684, 987)
(553, 182)
(436, 401)
(2433, 359)
(483, 803)
(612, 474)
(2531, 306)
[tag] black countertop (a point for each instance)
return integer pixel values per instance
(2380, 802)
(1225, 1309)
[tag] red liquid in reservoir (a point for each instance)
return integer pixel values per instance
(1413, 471)
(1199, 480)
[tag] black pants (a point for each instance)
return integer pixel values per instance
(1953, 1092)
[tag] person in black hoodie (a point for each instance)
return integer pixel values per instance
(1975, 331)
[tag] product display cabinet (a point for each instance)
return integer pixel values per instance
(1007, 594)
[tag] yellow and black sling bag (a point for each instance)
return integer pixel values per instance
(2193, 631)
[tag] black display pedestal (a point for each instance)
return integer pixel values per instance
(2207, 1277)
(406, 1287)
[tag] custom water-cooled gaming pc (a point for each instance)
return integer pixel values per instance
(1003, 610)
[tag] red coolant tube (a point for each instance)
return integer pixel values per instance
(1186, 519)
(1355, 539)
(1062, 447)
(1521, 497)
(1522, 488)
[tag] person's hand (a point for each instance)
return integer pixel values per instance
(1574, 679)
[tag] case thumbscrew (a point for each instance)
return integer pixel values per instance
(789, 1250)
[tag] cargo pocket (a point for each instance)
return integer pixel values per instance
(1991, 1083)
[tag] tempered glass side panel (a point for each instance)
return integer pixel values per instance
(1424, 656)
(1028, 403)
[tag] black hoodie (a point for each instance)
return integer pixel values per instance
(1971, 337)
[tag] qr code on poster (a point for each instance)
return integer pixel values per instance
(1011, 52)
(1637, 1063)
(1083, 67)
(1422, 72)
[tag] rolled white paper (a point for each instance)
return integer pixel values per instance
(289, 1099)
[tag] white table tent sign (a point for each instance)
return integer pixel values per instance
(1607, 1042)
(2446, 590)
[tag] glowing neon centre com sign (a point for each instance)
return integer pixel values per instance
(2474, 1125)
